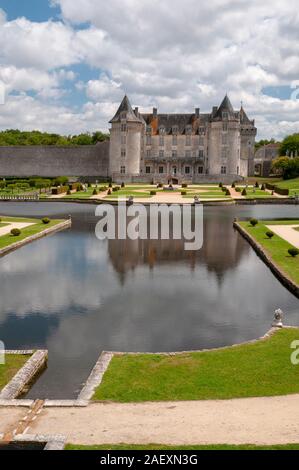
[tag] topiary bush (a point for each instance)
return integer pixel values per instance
(95, 192)
(227, 192)
(15, 232)
(270, 234)
(257, 185)
(263, 188)
(109, 192)
(293, 252)
(238, 190)
(68, 192)
(153, 193)
(46, 220)
(244, 192)
(184, 185)
(123, 185)
(233, 185)
(220, 185)
(110, 185)
(183, 193)
(253, 222)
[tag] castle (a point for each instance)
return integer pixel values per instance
(179, 148)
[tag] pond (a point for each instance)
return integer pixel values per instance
(77, 296)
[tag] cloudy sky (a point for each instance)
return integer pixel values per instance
(66, 64)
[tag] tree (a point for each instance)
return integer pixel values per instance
(287, 167)
(290, 146)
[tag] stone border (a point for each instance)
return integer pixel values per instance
(55, 442)
(24, 376)
(56, 228)
(262, 253)
(96, 376)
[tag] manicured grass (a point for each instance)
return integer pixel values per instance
(80, 194)
(3, 225)
(39, 226)
(128, 192)
(292, 185)
(12, 364)
(254, 193)
(262, 368)
(124, 447)
(276, 248)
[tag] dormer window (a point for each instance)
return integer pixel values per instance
(175, 130)
(162, 130)
(123, 115)
(189, 130)
(224, 115)
(149, 130)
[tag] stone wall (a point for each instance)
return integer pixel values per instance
(50, 161)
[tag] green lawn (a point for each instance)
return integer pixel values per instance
(277, 248)
(254, 193)
(292, 185)
(12, 364)
(39, 226)
(124, 447)
(80, 194)
(126, 192)
(249, 370)
(3, 225)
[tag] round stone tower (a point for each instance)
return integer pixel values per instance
(126, 143)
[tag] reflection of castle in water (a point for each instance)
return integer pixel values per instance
(222, 250)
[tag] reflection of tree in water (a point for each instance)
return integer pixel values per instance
(222, 250)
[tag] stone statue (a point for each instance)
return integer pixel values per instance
(278, 315)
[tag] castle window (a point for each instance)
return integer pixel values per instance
(188, 140)
(147, 170)
(149, 130)
(224, 139)
(201, 130)
(201, 141)
(123, 139)
(188, 153)
(238, 170)
(162, 130)
(189, 130)
(148, 140)
(187, 170)
(224, 115)
(200, 154)
(174, 154)
(174, 140)
(200, 170)
(175, 130)
(161, 153)
(161, 141)
(224, 152)
(161, 169)
(223, 170)
(124, 127)
(225, 126)
(123, 153)
(148, 153)
(123, 115)
(123, 170)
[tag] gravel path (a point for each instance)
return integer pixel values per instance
(272, 420)
(287, 232)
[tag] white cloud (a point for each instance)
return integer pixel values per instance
(173, 55)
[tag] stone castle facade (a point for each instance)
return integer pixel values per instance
(190, 148)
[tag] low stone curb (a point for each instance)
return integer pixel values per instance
(55, 442)
(25, 375)
(56, 228)
(96, 376)
(281, 276)
(65, 403)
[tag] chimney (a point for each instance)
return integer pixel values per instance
(136, 111)
(197, 112)
(155, 112)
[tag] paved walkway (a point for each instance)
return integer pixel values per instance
(272, 420)
(20, 225)
(287, 232)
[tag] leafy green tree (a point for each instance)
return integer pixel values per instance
(287, 167)
(290, 146)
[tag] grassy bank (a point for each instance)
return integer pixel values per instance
(276, 248)
(292, 185)
(38, 227)
(13, 363)
(195, 447)
(262, 368)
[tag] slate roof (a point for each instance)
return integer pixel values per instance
(125, 106)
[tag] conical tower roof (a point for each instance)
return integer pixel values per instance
(125, 107)
(225, 106)
(244, 119)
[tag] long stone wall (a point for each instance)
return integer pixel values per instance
(50, 161)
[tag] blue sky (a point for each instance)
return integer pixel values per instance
(66, 64)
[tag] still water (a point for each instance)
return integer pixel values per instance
(77, 296)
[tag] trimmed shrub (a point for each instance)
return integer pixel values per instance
(293, 252)
(253, 222)
(183, 193)
(160, 185)
(244, 192)
(60, 190)
(109, 192)
(46, 220)
(184, 185)
(257, 185)
(110, 185)
(270, 234)
(227, 193)
(220, 185)
(123, 185)
(238, 190)
(233, 185)
(263, 188)
(153, 193)
(95, 192)
(115, 189)
(15, 232)
(103, 188)
(68, 192)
